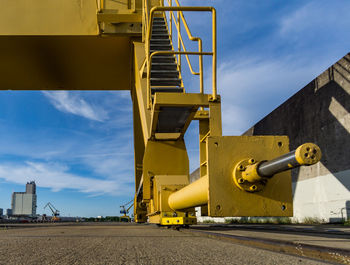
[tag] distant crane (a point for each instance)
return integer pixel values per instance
(125, 211)
(55, 212)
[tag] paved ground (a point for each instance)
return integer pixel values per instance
(126, 244)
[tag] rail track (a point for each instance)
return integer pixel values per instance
(324, 244)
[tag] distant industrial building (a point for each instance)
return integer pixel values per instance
(8, 212)
(24, 203)
(1, 212)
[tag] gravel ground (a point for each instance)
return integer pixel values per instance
(126, 244)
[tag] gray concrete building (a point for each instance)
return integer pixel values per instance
(24, 203)
(31, 187)
(8, 212)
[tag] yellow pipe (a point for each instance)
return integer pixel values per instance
(194, 194)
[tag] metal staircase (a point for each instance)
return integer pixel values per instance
(165, 76)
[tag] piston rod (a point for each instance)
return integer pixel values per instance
(305, 155)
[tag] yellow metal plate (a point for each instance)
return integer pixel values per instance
(54, 17)
(163, 158)
(65, 62)
(225, 198)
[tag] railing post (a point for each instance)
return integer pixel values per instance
(171, 21)
(148, 36)
(214, 54)
(201, 85)
(178, 39)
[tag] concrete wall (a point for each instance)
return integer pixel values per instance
(319, 113)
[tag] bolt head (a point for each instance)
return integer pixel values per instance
(251, 161)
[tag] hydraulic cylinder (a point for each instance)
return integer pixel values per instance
(249, 175)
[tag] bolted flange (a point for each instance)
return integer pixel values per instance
(245, 176)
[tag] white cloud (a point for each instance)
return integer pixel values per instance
(71, 103)
(317, 20)
(57, 177)
(109, 157)
(252, 89)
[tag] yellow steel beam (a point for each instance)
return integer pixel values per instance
(181, 100)
(51, 18)
(167, 136)
(163, 158)
(65, 62)
(120, 17)
(140, 88)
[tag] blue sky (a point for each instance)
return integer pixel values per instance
(78, 146)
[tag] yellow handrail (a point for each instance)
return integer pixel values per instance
(181, 42)
(192, 38)
(200, 53)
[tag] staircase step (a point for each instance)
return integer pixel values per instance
(159, 47)
(159, 23)
(156, 27)
(160, 41)
(163, 59)
(163, 66)
(172, 119)
(164, 74)
(165, 82)
(170, 89)
(159, 31)
(160, 36)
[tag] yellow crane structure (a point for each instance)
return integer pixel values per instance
(124, 209)
(55, 213)
(128, 45)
